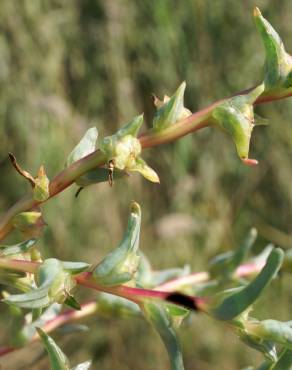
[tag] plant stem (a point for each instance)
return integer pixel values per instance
(245, 270)
(65, 178)
(65, 317)
(134, 294)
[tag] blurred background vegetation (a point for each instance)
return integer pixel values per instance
(68, 65)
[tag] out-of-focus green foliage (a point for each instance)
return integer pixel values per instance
(66, 66)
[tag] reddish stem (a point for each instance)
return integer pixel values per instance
(65, 178)
(64, 318)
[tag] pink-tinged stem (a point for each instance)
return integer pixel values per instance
(87, 309)
(19, 265)
(65, 178)
(135, 295)
(245, 270)
(5, 350)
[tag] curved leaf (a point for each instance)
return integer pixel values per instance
(58, 359)
(237, 303)
(19, 248)
(170, 110)
(120, 265)
(84, 147)
(278, 64)
(161, 320)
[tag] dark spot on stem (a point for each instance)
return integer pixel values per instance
(183, 300)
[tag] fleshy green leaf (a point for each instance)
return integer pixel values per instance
(58, 359)
(109, 144)
(278, 63)
(235, 117)
(170, 110)
(19, 248)
(120, 265)
(146, 171)
(266, 347)
(54, 285)
(123, 150)
(272, 330)
(24, 327)
(240, 301)
(86, 146)
(41, 186)
(284, 362)
(75, 267)
(225, 264)
(29, 223)
(161, 320)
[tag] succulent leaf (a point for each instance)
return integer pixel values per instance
(86, 146)
(121, 264)
(235, 117)
(160, 318)
(170, 110)
(239, 302)
(278, 64)
(41, 186)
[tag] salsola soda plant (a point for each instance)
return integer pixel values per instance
(36, 289)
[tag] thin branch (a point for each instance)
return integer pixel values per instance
(245, 270)
(65, 317)
(65, 178)
(137, 295)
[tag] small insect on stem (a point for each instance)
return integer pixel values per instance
(111, 167)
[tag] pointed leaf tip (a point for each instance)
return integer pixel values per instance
(278, 63)
(135, 208)
(58, 359)
(85, 146)
(256, 12)
(121, 265)
(170, 110)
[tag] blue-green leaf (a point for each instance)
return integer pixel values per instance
(58, 359)
(86, 146)
(284, 362)
(240, 301)
(272, 330)
(224, 265)
(161, 320)
(75, 267)
(120, 265)
(170, 110)
(235, 117)
(24, 327)
(54, 285)
(267, 347)
(20, 248)
(278, 63)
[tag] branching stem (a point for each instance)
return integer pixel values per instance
(66, 177)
